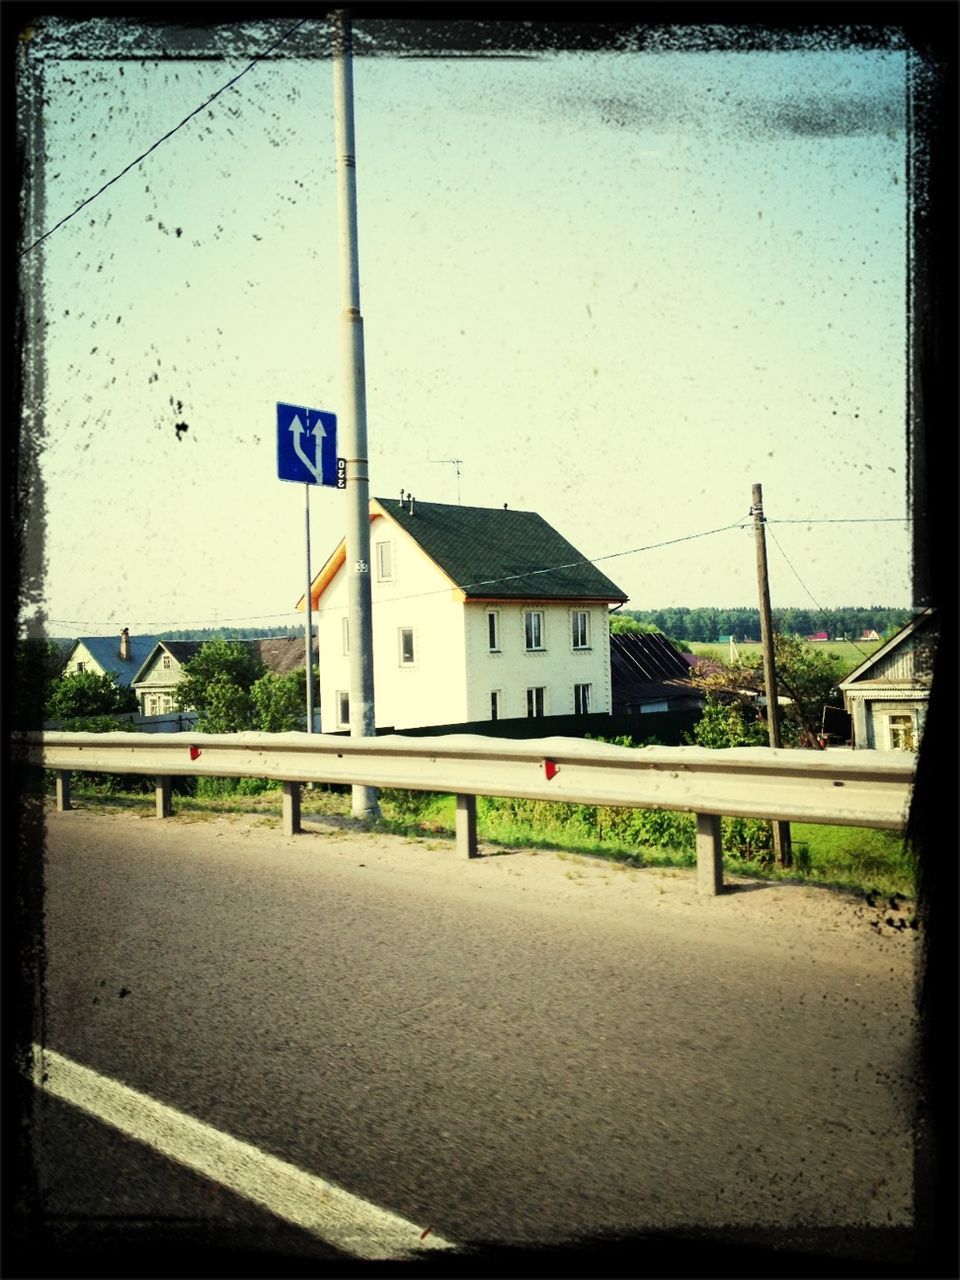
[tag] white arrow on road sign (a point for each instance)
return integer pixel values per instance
(297, 428)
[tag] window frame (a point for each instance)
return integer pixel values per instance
(385, 545)
(530, 627)
(405, 661)
(496, 704)
(343, 701)
(582, 694)
(578, 616)
(899, 722)
(493, 631)
(532, 700)
(345, 636)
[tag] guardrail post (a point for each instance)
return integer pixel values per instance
(709, 854)
(63, 790)
(291, 808)
(164, 809)
(467, 826)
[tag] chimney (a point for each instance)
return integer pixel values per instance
(124, 645)
(401, 497)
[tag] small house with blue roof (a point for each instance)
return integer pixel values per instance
(122, 655)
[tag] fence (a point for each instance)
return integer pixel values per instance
(168, 722)
(864, 789)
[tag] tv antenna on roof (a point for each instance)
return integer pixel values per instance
(456, 463)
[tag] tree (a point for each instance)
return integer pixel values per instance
(726, 724)
(280, 702)
(216, 685)
(806, 674)
(624, 625)
(84, 693)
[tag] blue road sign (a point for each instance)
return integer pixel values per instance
(306, 445)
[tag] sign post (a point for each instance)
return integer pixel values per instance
(307, 454)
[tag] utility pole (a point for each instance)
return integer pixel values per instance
(781, 830)
(353, 413)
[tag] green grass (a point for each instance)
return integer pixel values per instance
(850, 858)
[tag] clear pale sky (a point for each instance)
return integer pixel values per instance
(621, 287)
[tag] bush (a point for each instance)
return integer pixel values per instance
(748, 838)
(214, 787)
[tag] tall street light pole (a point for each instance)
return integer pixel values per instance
(353, 414)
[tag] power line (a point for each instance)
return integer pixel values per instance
(470, 586)
(822, 610)
(492, 582)
(168, 134)
(849, 520)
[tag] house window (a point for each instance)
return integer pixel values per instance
(535, 701)
(900, 728)
(493, 631)
(343, 709)
(81, 666)
(495, 704)
(384, 561)
(533, 629)
(581, 699)
(581, 629)
(345, 635)
(406, 646)
(167, 663)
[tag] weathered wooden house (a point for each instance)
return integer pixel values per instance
(888, 693)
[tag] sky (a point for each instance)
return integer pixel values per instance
(620, 286)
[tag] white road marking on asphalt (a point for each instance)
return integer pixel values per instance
(346, 1221)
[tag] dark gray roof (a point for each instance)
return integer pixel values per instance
(182, 650)
(645, 667)
(493, 553)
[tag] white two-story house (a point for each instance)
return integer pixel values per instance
(479, 614)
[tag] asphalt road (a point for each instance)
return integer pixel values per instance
(518, 1049)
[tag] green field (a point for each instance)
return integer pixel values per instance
(849, 652)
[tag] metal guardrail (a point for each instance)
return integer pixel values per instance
(865, 788)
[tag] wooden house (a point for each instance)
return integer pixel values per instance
(888, 693)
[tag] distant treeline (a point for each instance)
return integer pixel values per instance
(232, 633)
(705, 625)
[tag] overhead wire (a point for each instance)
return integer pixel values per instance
(169, 134)
(822, 611)
(469, 586)
(492, 582)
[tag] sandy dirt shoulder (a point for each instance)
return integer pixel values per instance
(832, 925)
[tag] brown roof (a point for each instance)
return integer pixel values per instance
(283, 654)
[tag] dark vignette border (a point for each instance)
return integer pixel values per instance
(211, 30)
